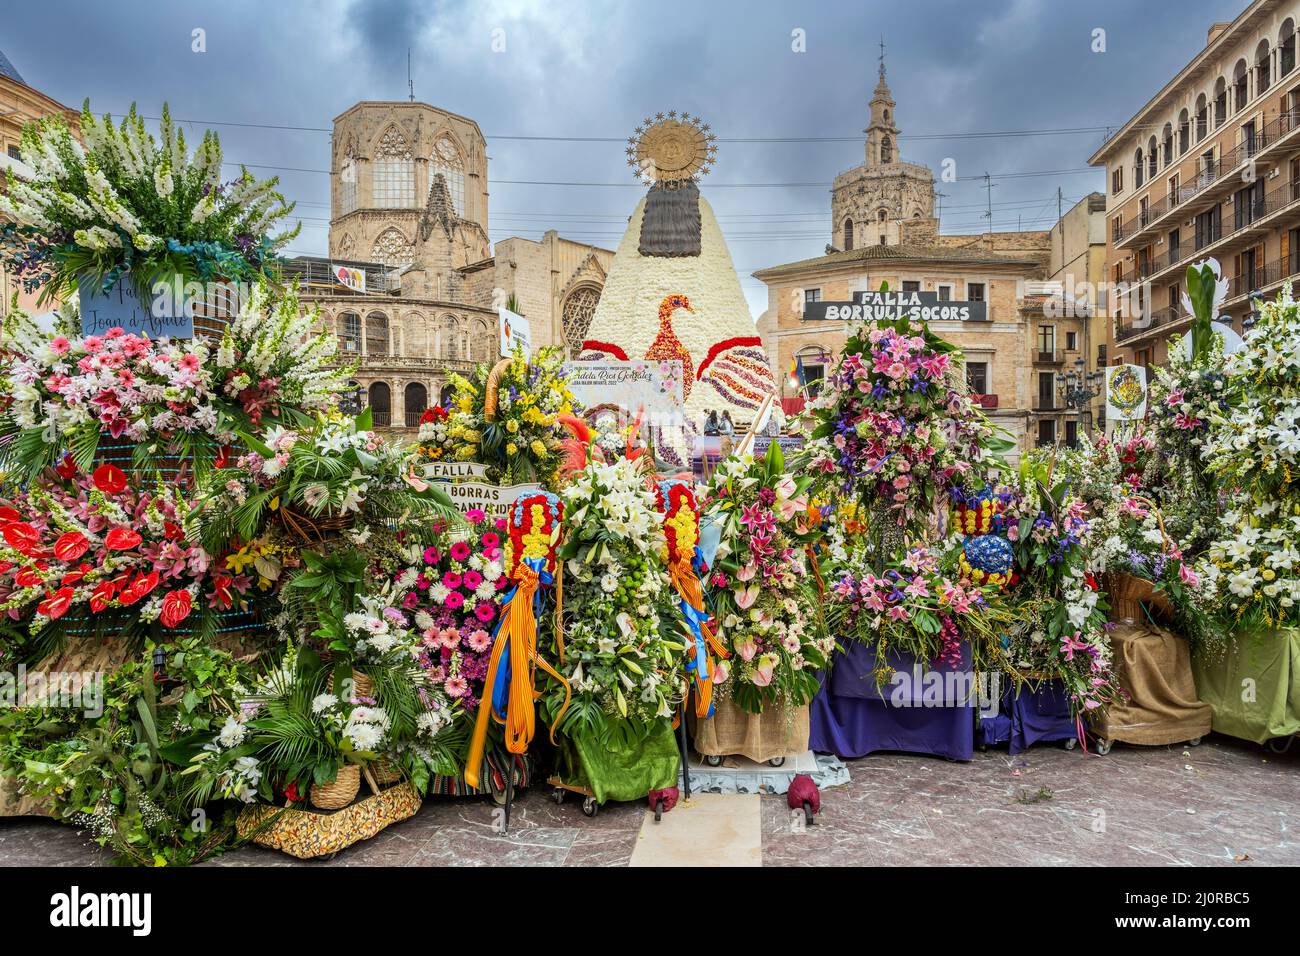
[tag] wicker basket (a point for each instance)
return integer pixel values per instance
(1128, 592)
(339, 793)
(314, 529)
(385, 772)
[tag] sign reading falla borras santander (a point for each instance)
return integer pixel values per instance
(458, 480)
(888, 306)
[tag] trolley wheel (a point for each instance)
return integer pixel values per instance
(808, 813)
(1194, 742)
(777, 761)
(1071, 743)
(659, 810)
(984, 748)
(713, 760)
(589, 806)
(1280, 745)
(1103, 747)
(557, 795)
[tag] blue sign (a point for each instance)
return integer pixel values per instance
(121, 307)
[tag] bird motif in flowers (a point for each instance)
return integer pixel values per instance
(736, 367)
(667, 346)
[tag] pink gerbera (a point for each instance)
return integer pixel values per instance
(491, 540)
(432, 555)
(455, 600)
(456, 687)
(484, 612)
(501, 524)
(459, 551)
(451, 580)
(472, 579)
(479, 641)
(475, 516)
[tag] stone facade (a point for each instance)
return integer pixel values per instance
(410, 209)
(906, 250)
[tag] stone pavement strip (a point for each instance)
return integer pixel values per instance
(1223, 803)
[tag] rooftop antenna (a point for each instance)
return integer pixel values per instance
(410, 83)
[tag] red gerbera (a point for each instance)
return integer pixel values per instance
(175, 608)
(121, 539)
(109, 479)
(71, 546)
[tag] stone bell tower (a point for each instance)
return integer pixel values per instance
(882, 134)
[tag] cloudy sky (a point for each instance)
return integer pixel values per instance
(959, 70)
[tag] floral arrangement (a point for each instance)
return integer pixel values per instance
(89, 547)
(619, 655)
(916, 604)
(127, 204)
(980, 519)
(764, 589)
(1254, 447)
(1058, 628)
(509, 420)
(174, 397)
(894, 427)
(454, 594)
(336, 471)
(434, 433)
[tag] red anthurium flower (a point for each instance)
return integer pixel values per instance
(6, 566)
(175, 608)
(21, 536)
(102, 594)
(8, 514)
(66, 468)
(30, 577)
(121, 539)
(223, 457)
(71, 546)
(140, 587)
(72, 577)
(221, 589)
(172, 530)
(109, 479)
(56, 605)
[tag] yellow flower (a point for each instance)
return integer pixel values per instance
(512, 426)
(512, 449)
(538, 448)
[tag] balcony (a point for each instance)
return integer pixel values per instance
(1047, 403)
(1165, 317)
(1050, 357)
(1250, 221)
(1274, 135)
(988, 402)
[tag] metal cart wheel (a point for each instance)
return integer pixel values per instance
(1103, 747)
(1194, 742)
(557, 795)
(713, 760)
(1280, 745)
(777, 761)
(1071, 743)
(659, 810)
(589, 806)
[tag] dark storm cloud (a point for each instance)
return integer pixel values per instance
(595, 69)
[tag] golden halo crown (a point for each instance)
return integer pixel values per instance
(671, 149)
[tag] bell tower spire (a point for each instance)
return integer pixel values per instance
(882, 133)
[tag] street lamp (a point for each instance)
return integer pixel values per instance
(1079, 388)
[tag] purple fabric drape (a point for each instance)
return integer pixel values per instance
(1032, 715)
(930, 710)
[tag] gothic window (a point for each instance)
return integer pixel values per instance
(451, 338)
(576, 315)
(416, 400)
(392, 249)
(381, 405)
(886, 150)
(394, 172)
(347, 247)
(482, 342)
(880, 216)
(350, 332)
(447, 162)
(348, 185)
(376, 334)
(848, 235)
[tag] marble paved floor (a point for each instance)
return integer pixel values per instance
(1223, 803)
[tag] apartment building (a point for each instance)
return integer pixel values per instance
(1209, 167)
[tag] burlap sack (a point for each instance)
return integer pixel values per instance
(1155, 669)
(777, 732)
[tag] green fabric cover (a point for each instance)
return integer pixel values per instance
(1271, 707)
(652, 764)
